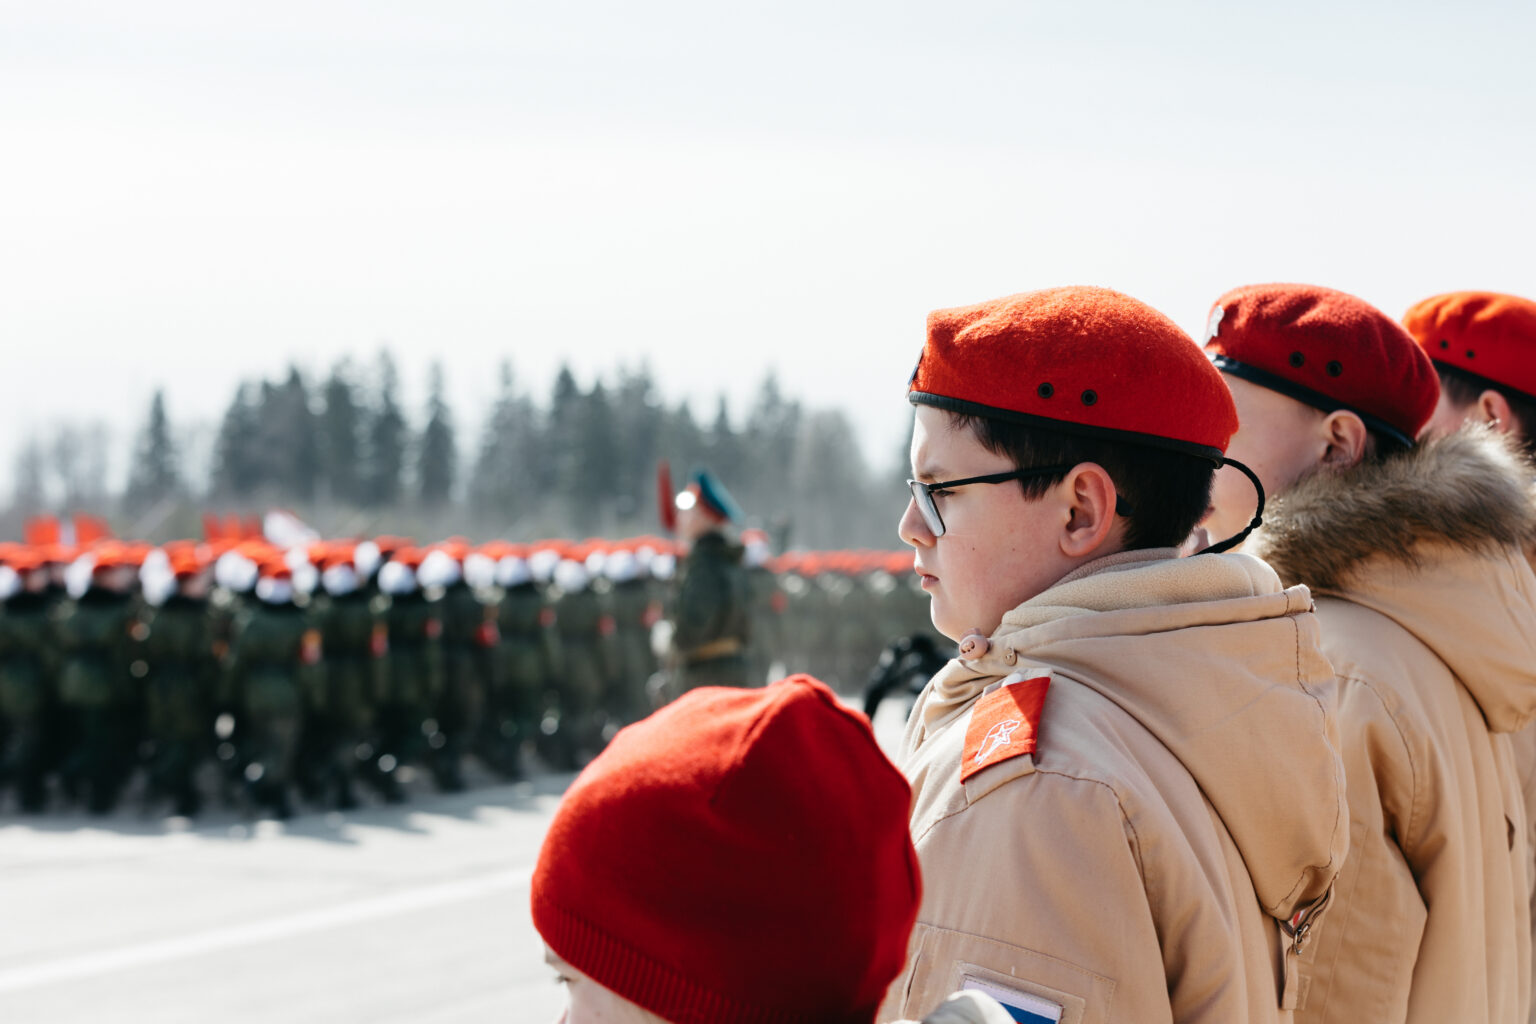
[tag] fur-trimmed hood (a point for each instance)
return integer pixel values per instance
(1469, 490)
(1435, 540)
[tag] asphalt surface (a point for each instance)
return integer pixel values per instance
(416, 913)
(410, 913)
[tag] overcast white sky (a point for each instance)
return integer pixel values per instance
(192, 192)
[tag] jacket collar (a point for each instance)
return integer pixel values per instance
(1218, 662)
(1468, 491)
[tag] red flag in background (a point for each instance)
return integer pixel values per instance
(665, 497)
(90, 529)
(42, 531)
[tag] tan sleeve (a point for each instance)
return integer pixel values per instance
(1035, 889)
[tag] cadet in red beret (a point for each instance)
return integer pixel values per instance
(1428, 615)
(1483, 345)
(740, 857)
(1125, 784)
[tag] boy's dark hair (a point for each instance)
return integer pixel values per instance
(1463, 389)
(1168, 491)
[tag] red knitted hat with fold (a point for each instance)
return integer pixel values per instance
(1485, 334)
(1083, 360)
(739, 857)
(1327, 349)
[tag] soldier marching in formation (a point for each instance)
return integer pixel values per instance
(309, 675)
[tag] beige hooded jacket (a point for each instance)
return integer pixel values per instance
(1186, 797)
(1428, 612)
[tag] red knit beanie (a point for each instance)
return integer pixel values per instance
(739, 857)
(1484, 334)
(1088, 361)
(1326, 349)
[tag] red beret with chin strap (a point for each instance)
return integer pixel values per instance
(1327, 349)
(1484, 334)
(1082, 360)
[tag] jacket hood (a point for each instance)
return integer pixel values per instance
(1221, 664)
(1435, 539)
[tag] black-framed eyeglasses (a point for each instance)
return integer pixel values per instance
(922, 494)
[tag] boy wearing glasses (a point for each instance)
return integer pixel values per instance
(1127, 802)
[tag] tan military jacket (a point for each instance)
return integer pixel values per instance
(1186, 797)
(1428, 612)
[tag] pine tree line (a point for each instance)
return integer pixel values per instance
(345, 454)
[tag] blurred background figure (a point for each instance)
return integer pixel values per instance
(99, 674)
(275, 665)
(712, 601)
(181, 668)
(330, 673)
(28, 667)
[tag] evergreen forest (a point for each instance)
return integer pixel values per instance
(345, 455)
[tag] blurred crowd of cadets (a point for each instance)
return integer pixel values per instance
(261, 674)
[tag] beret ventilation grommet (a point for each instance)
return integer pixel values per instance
(1335, 368)
(1297, 359)
(1120, 369)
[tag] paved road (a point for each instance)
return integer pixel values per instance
(389, 914)
(415, 913)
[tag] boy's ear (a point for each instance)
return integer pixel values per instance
(1344, 439)
(1090, 522)
(1493, 408)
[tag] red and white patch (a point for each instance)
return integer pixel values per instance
(1004, 723)
(310, 648)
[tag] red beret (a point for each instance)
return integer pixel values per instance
(1484, 334)
(1327, 349)
(739, 857)
(1082, 360)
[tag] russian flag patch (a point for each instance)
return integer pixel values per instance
(1004, 723)
(1024, 1007)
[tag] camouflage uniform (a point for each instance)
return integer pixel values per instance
(28, 665)
(177, 651)
(634, 613)
(413, 679)
(576, 701)
(98, 693)
(275, 663)
(710, 615)
(767, 603)
(225, 610)
(524, 669)
(469, 635)
(341, 728)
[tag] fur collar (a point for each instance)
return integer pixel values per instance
(1470, 490)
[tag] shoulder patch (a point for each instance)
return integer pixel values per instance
(1004, 723)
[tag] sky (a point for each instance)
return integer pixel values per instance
(196, 192)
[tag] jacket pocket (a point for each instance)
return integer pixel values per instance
(944, 961)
